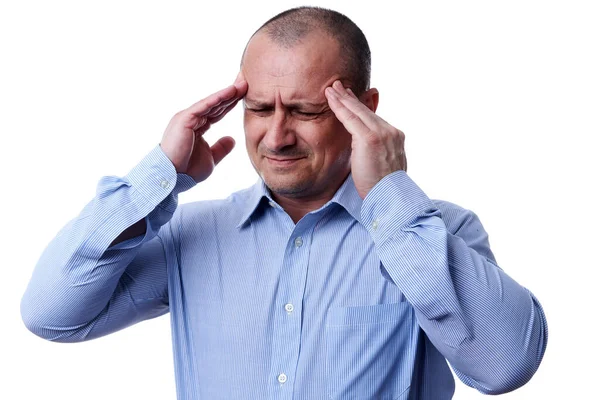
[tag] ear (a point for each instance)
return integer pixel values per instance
(370, 98)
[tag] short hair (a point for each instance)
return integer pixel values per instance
(289, 27)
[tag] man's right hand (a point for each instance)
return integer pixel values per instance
(182, 141)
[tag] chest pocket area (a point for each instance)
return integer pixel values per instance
(370, 351)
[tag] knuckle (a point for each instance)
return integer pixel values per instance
(352, 117)
(396, 132)
(373, 138)
(179, 116)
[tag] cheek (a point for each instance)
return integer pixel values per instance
(252, 132)
(335, 139)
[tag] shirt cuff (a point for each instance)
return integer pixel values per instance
(406, 229)
(155, 177)
(392, 204)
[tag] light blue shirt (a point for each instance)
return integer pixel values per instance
(358, 300)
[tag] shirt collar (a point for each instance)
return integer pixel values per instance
(256, 193)
(346, 196)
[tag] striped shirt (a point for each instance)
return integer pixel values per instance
(360, 299)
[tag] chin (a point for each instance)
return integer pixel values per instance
(287, 187)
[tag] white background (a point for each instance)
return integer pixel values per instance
(499, 102)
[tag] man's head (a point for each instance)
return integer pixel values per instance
(288, 28)
(294, 140)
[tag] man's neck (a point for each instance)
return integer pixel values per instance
(298, 207)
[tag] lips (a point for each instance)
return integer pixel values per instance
(283, 162)
(284, 159)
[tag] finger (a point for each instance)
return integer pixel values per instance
(219, 109)
(204, 122)
(204, 106)
(241, 88)
(348, 99)
(201, 130)
(221, 148)
(350, 120)
(241, 84)
(198, 122)
(218, 117)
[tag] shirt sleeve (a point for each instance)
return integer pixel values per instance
(81, 288)
(492, 331)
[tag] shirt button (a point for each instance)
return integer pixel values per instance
(375, 224)
(289, 308)
(282, 378)
(272, 204)
(164, 184)
(298, 241)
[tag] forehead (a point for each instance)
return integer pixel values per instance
(300, 72)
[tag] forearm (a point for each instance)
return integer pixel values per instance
(490, 329)
(78, 288)
(506, 324)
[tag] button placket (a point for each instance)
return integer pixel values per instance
(286, 337)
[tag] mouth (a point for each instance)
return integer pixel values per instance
(283, 162)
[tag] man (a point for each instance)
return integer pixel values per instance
(334, 276)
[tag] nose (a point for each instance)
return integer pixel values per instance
(278, 135)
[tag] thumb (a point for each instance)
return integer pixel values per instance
(221, 148)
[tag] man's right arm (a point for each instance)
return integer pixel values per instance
(106, 268)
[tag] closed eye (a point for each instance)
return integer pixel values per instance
(307, 115)
(268, 111)
(259, 111)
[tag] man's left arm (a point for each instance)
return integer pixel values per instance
(491, 329)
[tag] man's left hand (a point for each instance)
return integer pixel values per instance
(377, 147)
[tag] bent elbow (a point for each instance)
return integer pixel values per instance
(30, 317)
(37, 322)
(33, 322)
(507, 373)
(507, 381)
(513, 374)
(510, 373)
